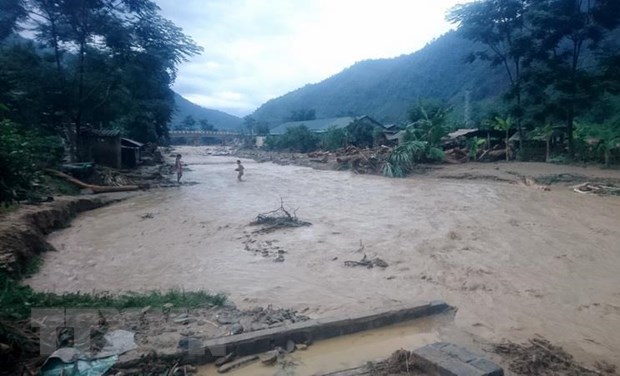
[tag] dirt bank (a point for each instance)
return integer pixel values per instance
(23, 232)
(509, 172)
(517, 261)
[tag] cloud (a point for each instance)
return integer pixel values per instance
(258, 49)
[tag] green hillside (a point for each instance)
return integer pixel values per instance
(220, 120)
(386, 88)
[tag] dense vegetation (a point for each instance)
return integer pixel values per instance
(104, 64)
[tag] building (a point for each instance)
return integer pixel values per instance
(102, 146)
(322, 125)
(106, 147)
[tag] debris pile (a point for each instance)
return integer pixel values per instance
(541, 358)
(277, 219)
(363, 161)
(277, 356)
(598, 189)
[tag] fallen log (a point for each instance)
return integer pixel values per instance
(92, 187)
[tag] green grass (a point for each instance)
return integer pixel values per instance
(16, 299)
(57, 185)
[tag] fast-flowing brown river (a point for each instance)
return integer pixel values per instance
(515, 261)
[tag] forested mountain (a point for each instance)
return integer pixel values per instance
(386, 89)
(220, 120)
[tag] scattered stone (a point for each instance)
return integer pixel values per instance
(187, 343)
(280, 258)
(168, 305)
(270, 357)
(290, 346)
(225, 359)
(237, 363)
(301, 346)
(236, 329)
(183, 319)
(187, 332)
(225, 320)
(145, 309)
(258, 326)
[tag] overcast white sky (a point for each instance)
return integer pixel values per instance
(256, 50)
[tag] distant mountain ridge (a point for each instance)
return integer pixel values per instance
(386, 89)
(220, 120)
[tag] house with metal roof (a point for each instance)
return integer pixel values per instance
(322, 125)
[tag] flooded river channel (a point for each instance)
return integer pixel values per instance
(515, 261)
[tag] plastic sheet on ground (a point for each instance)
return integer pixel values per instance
(73, 362)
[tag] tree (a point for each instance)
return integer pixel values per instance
(428, 120)
(188, 122)
(500, 25)
(302, 114)
(299, 139)
(249, 123)
(205, 125)
(334, 138)
(562, 31)
(262, 128)
(11, 11)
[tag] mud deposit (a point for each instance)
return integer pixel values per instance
(516, 261)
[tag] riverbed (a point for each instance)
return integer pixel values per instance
(516, 261)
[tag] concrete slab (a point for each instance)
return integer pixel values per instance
(446, 359)
(309, 331)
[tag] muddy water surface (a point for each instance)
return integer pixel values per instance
(515, 261)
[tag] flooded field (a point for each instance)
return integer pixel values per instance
(516, 261)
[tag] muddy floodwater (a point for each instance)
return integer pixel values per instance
(346, 352)
(516, 261)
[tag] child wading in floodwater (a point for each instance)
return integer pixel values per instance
(240, 169)
(178, 167)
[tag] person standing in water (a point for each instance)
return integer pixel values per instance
(178, 167)
(239, 169)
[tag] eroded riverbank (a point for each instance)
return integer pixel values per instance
(516, 261)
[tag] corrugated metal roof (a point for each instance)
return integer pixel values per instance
(322, 125)
(462, 132)
(318, 125)
(102, 132)
(131, 142)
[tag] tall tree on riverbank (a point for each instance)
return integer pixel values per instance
(500, 26)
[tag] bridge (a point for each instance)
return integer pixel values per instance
(202, 137)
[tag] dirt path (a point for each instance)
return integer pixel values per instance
(515, 260)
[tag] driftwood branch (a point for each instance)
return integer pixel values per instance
(278, 218)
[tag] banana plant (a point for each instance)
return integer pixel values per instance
(504, 125)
